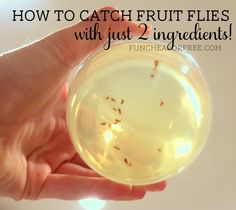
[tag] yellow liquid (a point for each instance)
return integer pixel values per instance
(138, 117)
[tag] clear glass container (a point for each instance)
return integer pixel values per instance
(138, 114)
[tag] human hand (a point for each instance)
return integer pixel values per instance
(37, 159)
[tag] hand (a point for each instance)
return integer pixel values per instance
(37, 159)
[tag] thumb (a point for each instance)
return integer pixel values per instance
(76, 50)
(32, 75)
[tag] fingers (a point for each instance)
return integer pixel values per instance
(135, 28)
(160, 186)
(138, 192)
(78, 160)
(73, 169)
(70, 187)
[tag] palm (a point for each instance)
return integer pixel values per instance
(46, 150)
(48, 166)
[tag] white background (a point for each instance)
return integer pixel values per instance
(209, 184)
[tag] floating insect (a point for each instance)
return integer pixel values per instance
(161, 103)
(154, 69)
(116, 147)
(127, 162)
(156, 63)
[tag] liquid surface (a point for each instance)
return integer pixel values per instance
(138, 117)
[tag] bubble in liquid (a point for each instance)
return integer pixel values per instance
(138, 116)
